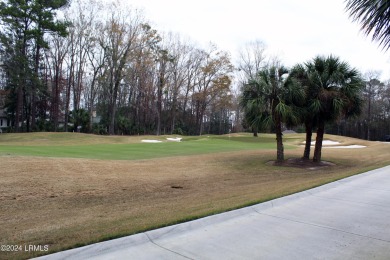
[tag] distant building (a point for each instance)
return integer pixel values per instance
(95, 118)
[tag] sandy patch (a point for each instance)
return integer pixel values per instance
(326, 142)
(177, 139)
(335, 144)
(354, 146)
(151, 141)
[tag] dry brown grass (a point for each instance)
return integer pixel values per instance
(61, 138)
(67, 202)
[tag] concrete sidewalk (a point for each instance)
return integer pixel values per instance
(347, 219)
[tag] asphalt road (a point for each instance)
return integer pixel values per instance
(347, 219)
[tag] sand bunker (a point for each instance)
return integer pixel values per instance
(151, 141)
(346, 146)
(326, 142)
(335, 144)
(177, 139)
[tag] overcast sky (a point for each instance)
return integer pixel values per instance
(294, 30)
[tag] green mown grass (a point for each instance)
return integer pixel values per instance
(59, 145)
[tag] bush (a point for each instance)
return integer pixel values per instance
(178, 131)
(99, 129)
(80, 120)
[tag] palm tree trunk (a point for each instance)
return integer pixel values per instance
(309, 133)
(319, 139)
(279, 140)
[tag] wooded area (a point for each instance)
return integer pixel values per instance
(101, 68)
(109, 72)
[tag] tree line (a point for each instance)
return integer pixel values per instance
(101, 68)
(374, 121)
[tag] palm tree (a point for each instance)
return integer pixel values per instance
(252, 103)
(374, 17)
(307, 118)
(334, 90)
(269, 99)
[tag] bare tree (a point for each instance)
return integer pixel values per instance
(119, 38)
(251, 59)
(180, 52)
(371, 91)
(55, 58)
(213, 80)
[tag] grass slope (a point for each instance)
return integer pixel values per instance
(50, 197)
(71, 145)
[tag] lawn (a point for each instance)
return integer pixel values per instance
(71, 145)
(67, 190)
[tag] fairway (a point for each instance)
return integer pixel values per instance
(125, 148)
(65, 189)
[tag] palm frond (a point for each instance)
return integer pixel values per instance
(338, 105)
(315, 106)
(374, 17)
(331, 87)
(273, 92)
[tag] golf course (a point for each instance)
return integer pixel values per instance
(65, 190)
